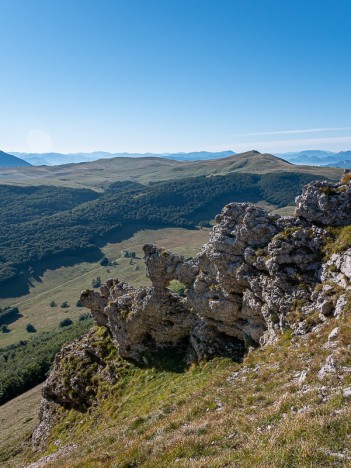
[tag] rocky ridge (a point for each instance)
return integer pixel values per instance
(256, 268)
(258, 275)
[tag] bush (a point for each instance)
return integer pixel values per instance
(104, 261)
(86, 316)
(31, 328)
(65, 323)
(53, 304)
(96, 283)
(177, 287)
(65, 305)
(5, 329)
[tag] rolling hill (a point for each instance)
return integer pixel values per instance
(54, 159)
(98, 175)
(8, 160)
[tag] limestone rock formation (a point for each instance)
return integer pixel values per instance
(242, 288)
(258, 274)
(325, 203)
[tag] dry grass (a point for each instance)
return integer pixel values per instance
(346, 178)
(17, 420)
(271, 410)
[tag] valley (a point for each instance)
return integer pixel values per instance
(64, 284)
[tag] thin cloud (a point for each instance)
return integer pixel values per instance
(341, 143)
(287, 132)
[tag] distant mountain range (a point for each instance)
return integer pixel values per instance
(56, 159)
(8, 160)
(319, 158)
(308, 157)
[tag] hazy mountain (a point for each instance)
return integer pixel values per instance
(307, 157)
(56, 159)
(199, 155)
(342, 164)
(8, 160)
(318, 158)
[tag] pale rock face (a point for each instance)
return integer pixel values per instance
(241, 287)
(328, 368)
(325, 204)
(333, 335)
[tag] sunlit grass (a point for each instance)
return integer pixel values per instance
(258, 413)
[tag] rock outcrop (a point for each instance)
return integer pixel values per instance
(258, 274)
(243, 287)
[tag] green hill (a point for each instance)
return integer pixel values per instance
(99, 174)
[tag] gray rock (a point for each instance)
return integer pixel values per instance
(325, 203)
(333, 335)
(241, 287)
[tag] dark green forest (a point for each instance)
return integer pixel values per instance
(26, 364)
(44, 222)
(21, 204)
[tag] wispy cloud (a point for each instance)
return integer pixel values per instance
(288, 132)
(340, 143)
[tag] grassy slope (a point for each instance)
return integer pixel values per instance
(99, 174)
(262, 412)
(17, 420)
(66, 283)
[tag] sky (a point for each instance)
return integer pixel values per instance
(175, 75)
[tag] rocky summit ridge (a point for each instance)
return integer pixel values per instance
(258, 275)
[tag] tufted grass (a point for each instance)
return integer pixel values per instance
(220, 413)
(339, 240)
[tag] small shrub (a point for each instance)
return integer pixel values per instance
(96, 282)
(86, 316)
(64, 305)
(53, 304)
(5, 329)
(65, 323)
(177, 287)
(31, 328)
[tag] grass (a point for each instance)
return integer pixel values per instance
(17, 419)
(285, 211)
(98, 174)
(339, 240)
(271, 410)
(346, 178)
(66, 283)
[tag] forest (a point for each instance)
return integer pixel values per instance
(75, 220)
(26, 364)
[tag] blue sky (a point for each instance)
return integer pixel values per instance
(175, 75)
